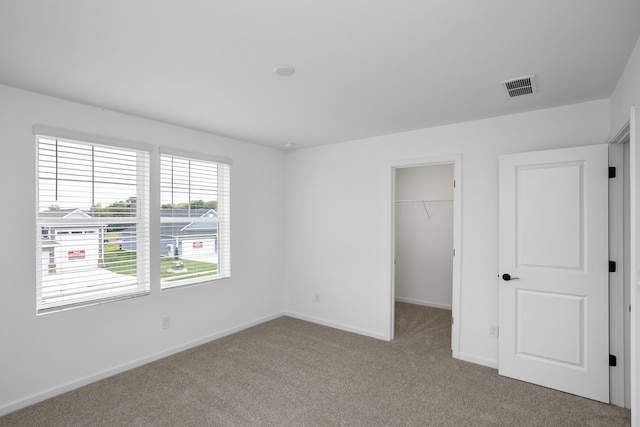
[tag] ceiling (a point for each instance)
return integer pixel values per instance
(363, 67)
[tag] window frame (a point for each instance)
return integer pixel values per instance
(223, 211)
(101, 293)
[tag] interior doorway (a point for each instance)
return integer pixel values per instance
(426, 235)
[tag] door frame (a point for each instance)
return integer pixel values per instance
(456, 160)
(618, 340)
(634, 184)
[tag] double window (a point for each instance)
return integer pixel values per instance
(93, 219)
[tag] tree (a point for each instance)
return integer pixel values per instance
(195, 204)
(118, 209)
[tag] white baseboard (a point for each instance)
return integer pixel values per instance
(425, 303)
(478, 360)
(336, 325)
(54, 391)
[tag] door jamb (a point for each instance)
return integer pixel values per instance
(456, 160)
(616, 280)
(634, 240)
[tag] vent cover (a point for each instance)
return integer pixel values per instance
(520, 86)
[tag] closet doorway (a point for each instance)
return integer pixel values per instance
(424, 235)
(426, 224)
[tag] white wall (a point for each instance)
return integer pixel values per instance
(338, 206)
(44, 355)
(424, 235)
(625, 95)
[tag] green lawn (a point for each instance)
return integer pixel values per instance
(121, 262)
(124, 262)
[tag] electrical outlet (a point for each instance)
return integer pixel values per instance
(166, 322)
(494, 331)
(316, 297)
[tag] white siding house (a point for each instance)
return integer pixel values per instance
(70, 247)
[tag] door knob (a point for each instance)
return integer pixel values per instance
(506, 277)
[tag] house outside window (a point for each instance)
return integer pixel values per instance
(194, 218)
(91, 196)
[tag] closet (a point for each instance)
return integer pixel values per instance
(424, 235)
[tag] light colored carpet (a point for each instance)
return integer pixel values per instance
(287, 372)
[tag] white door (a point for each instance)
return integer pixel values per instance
(554, 310)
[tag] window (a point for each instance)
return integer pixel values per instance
(92, 222)
(194, 219)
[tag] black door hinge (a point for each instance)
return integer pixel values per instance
(612, 172)
(612, 266)
(613, 361)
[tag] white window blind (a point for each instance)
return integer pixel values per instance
(194, 219)
(92, 222)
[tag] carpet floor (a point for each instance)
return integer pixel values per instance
(288, 372)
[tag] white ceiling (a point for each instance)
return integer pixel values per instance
(363, 67)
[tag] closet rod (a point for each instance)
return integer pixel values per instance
(422, 201)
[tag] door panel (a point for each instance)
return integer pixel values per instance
(549, 223)
(538, 334)
(554, 243)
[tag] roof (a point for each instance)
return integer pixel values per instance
(175, 229)
(190, 213)
(63, 213)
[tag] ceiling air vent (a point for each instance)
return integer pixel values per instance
(520, 86)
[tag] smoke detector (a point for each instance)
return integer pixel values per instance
(284, 70)
(520, 86)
